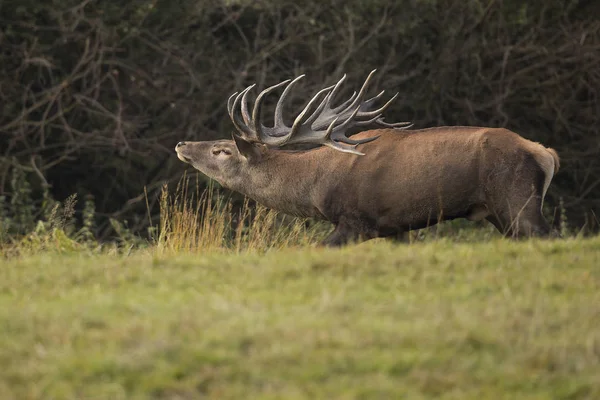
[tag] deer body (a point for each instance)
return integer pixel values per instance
(402, 180)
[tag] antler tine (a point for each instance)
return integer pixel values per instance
(279, 107)
(256, 111)
(379, 111)
(244, 108)
(396, 125)
(325, 104)
(339, 131)
(320, 107)
(239, 124)
(345, 109)
(336, 145)
(361, 93)
(344, 104)
(354, 142)
(230, 103)
(336, 88)
(367, 103)
(300, 119)
(333, 111)
(375, 115)
(374, 120)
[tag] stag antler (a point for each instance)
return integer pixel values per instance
(325, 126)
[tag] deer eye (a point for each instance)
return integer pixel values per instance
(216, 152)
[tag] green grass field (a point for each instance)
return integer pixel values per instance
(444, 320)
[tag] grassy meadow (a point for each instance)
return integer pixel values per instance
(266, 314)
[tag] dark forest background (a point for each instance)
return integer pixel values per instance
(94, 95)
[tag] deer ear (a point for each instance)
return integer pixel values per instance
(247, 149)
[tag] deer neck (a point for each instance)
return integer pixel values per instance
(284, 181)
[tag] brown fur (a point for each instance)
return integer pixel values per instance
(406, 180)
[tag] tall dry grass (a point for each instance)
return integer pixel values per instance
(193, 219)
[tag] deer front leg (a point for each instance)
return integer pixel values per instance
(341, 235)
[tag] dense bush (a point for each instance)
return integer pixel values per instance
(94, 95)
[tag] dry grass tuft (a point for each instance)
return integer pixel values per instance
(199, 221)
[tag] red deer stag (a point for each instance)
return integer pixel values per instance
(398, 181)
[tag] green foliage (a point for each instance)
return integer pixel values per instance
(21, 203)
(4, 220)
(30, 226)
(86, 233)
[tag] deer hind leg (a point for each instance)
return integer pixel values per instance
(515, 194)
(528, 223)
(521, 215)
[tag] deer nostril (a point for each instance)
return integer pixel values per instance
(180, 144)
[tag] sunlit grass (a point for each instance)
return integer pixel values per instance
(440, 320)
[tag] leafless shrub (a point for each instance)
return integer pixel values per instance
(95, 95)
